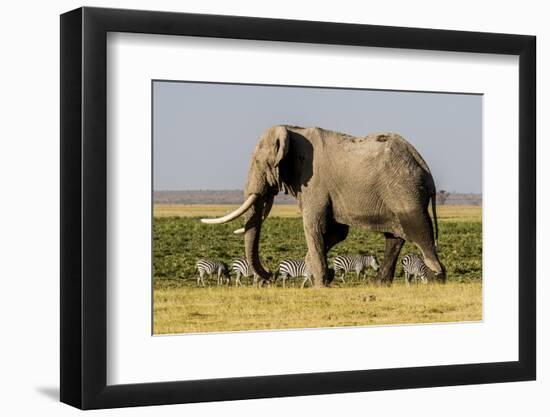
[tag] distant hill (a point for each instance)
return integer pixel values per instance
(459, 199)
(236, 197)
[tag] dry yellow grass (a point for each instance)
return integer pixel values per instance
(444, 213)
(459, 213)
(217, 309)
(211, 210)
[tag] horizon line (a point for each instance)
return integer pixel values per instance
(240, 189)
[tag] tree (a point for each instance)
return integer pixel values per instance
(442, 197)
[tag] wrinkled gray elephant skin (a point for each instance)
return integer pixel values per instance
(378, 182)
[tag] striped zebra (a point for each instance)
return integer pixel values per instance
(357, 263)
(293, 268)
(242, 268)
(211, 267)
(414, 266)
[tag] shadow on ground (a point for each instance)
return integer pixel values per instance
(50, 392)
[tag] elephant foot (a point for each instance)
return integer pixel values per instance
(383, 280)
(441, 278)
(436, 278)
(329, 277)
(318, 284)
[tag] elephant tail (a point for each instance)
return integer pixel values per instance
(435, 219)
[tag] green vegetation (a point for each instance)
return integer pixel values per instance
(179, 306)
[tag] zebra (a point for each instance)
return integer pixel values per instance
(413, 266)
(242, 267)
(211, 267)
(357, 263)
(293, 268)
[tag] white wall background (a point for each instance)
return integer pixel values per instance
(29, 225)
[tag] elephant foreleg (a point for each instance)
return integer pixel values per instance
(316, 259)
(387, 269)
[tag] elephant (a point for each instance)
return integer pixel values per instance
(378, 182)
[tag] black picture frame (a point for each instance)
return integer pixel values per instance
(84, 207)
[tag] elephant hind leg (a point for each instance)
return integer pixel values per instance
(433, 263)
(419, 230)
(387, 269)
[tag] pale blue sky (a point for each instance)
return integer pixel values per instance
(204, 134)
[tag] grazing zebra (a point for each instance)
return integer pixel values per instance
(211, 267)
(357, 263)
(242, 267)
(293, 268)
(414, 266)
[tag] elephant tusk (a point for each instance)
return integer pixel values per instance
(267, 209)
(234, 214)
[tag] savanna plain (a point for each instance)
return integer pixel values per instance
(179, 306)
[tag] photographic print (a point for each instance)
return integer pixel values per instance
(292, 183)
(292, 207)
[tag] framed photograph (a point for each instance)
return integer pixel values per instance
(257, 208)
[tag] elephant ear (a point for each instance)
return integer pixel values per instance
(281, 144)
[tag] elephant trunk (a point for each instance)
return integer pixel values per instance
(266, 210)
(268, 205)
(253, 228)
